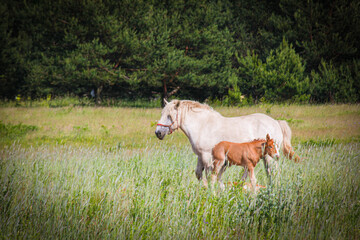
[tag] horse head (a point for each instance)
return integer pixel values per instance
(169, 120)
(270, 148)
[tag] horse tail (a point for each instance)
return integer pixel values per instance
(287, 148)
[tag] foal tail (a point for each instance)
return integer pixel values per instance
(287, 148)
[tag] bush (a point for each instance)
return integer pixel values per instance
(285, 77)
(332, 84)
(282, 77)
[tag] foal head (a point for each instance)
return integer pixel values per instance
(269, 147)
(169, 120)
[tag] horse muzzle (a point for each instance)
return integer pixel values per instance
(160, 134)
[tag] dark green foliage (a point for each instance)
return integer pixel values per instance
(187, 49)
(282, 77)
(332, 84)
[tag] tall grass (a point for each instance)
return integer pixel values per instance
(82, 172)
(90, 192)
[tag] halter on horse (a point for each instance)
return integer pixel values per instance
(170, 125)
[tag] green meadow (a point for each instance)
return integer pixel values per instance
(99, 172)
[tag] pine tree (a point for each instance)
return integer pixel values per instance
(282, 77)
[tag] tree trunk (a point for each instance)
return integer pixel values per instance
(164, 94)
(98, 94)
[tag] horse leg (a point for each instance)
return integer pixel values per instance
(208, 166)
(244, 176)
(287, 151)
(199, 171)
(290, 154)
(222, 170)
(204, 163)
(252, 178)
(267, 166)
(218, 164)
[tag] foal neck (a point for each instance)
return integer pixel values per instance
(261, 147)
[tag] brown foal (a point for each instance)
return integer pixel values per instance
(242, 154)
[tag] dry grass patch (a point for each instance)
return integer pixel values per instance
(134, 127)
(340, 122)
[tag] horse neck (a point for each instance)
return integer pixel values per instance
(191, 122)
(259, 148)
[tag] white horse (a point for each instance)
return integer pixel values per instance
(205, 128)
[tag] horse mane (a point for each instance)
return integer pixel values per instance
(185, 106)
(194, 104)
(258, 140)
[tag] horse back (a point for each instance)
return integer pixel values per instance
(248, 127)
(220, 150)
(238, 153)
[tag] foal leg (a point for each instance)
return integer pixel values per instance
(218, 165)
(222, 170)
(267, 167)
(269, 163)
(252, 178)
(244, 176)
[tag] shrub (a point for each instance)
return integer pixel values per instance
(281, 78)
(332, 84)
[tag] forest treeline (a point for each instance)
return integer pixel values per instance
(246, 50)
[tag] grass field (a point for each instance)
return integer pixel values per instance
(86, 172)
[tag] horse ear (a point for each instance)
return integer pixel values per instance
(166, 102)
(267, 137)
(177, 103)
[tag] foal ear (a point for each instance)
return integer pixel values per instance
(267, 137)
(166, 102)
